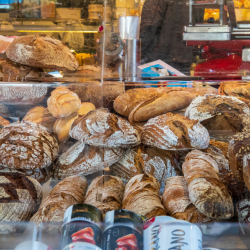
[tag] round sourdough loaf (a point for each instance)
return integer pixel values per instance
(41, 51)
(171, 132)
(102, 128)
(84, 159)
(20, 197)
(27, 146)
(161, 164)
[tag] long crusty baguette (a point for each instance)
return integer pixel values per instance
(206, 191)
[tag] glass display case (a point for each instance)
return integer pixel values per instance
(124, 125)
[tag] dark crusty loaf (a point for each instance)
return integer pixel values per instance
(171, 132)
(177, 203)
(105, 192)
(20, 197)
(41, 51)
(66, 193)
(102, 128)
(142, 159)
(206, 191)
(27, 146)
(84, 159)
(220, 113)
(141, 196)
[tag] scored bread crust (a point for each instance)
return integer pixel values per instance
(102, 128)
(171, 132)
(41, 51)
(206, 191)
(84, 159)
(141, 196)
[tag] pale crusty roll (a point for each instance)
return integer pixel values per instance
(171, 132)
(177, 203)
(105, 192)
(206, 191)
(63, 102)
(68, 192)
(142, 196)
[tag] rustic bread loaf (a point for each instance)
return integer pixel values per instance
(63, 102)
(62, 125)
(102, 128)
(40, 116)
(27, 146)
(84, 159)
(41, 51)
(177, 203)
(141, 196)
(66, 193)
(20, 197)
(142, 159)
(171, 132)
(220, 113)
(206, 191)
(100, 94)
(105, 192)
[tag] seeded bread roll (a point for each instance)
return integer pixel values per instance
(206, 191)
(177, 203)
(105, 192)
(29, 148)
(20, 197)
(41, 116)
(141, 196)
(218, 113)
(66, 193)
(84, 159)
(171, 132)
(41, 51)
(102, 128)
(142, 159)
(63, 102)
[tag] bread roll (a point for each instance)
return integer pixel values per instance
(66, 193)
(29, 148)
(171, 132)
(206, 191)
(218, 113)
(102, 128)
(177, 203)
(142, 159)
(41, 116)
(20, 197)
(84, 159)
(105, 192)
(63, 102)
(62, 125)
(141, 196)
(41, 51)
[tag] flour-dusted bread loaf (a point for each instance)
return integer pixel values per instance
(63, 102)
(218, 113)
(40, 116)
(41, 51)
(84, 159)
(100, 94)
(177, 202)
(142, 159)
(171, 132)
(66, 193)
(105, 192)
(20, 197)
(141, 196)
(102, 128)
(26, 146)
(206, 191)
(62, 125)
